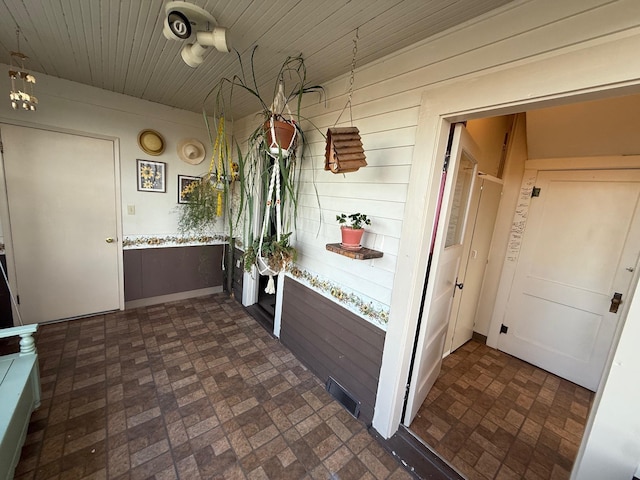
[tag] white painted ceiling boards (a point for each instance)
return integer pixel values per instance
(118, 45)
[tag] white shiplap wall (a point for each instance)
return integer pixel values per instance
(387, 126)
(386, 103)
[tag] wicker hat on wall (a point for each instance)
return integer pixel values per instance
(151, 142)
(191, 151)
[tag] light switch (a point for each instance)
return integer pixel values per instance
(131, 209)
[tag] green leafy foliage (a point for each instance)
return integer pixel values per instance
(202, 209)
(356, 220)
(276, 253)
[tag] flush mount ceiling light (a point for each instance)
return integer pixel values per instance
(184, 21)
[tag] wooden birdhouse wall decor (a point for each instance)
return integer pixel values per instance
(344, 151)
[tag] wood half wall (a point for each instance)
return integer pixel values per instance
(332, 341)
(153, 272)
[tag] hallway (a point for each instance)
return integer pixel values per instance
(491, 415)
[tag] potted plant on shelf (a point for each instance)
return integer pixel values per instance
(352, 233)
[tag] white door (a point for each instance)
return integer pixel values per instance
(480, 224)
(580, 247)
(447, 251)
(61, 195)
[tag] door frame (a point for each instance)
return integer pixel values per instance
(4, 206)
(534, 83)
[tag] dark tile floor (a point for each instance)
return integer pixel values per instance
(494, 416)
(190, 389)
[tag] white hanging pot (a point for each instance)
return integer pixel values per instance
(264, 268)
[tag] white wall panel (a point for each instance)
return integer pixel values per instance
(82, 109)
(386, 103)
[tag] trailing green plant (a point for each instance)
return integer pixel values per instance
(203, 205)
(277, 254)
(356, 220)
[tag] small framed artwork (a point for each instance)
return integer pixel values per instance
(185, 187)
(152, 176)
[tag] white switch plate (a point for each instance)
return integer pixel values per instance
(131, 209)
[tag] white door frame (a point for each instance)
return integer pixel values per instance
(540, 82)
(4, 207)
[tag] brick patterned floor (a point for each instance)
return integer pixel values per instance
(189, 389)
(494, 416)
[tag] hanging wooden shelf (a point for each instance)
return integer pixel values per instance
(363, 254)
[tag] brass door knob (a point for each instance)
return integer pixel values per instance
(109, 240)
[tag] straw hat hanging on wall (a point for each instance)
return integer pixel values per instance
(151, 142)
(191, 151)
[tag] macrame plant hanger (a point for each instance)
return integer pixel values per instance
(344, 152)
(277, 152)
(280, 105)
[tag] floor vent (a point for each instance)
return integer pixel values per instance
(338, 392)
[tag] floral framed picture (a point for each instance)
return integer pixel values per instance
(186, 185)
(152, 176)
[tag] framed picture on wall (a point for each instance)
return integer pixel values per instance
(152, 176)
(185, 187)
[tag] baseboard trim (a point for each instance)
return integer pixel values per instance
(478, 337)
(172, 297)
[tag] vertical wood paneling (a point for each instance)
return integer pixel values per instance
(334, 342)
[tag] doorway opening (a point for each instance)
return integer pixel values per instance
(264, 310)
(539, 149)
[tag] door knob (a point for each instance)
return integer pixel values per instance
(615, 302)
(109, 240)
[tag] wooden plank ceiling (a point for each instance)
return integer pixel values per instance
(118, 45)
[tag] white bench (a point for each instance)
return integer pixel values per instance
(19, 396)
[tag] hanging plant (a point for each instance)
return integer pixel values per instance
(207, 196)
(274, 151)
(271, 255)
(269, 167)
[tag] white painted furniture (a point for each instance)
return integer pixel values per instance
(19, 396)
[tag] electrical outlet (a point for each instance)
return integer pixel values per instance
(131, 209)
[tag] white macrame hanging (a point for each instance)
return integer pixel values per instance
(261, 263)
(280, 105)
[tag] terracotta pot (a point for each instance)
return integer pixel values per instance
(351, 237)
(285, 136)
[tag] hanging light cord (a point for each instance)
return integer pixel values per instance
(351, 79)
